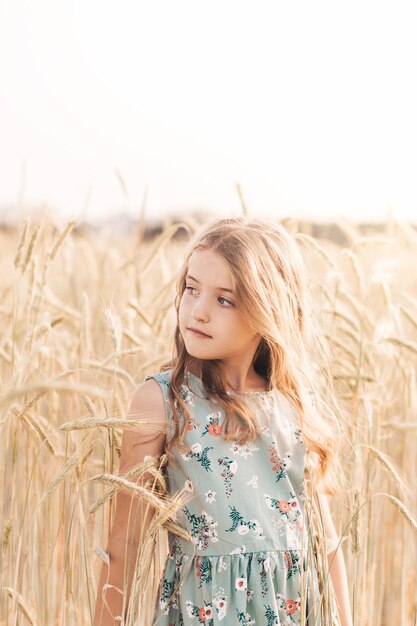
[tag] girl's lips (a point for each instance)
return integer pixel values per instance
(198, 334)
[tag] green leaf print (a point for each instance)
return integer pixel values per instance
(204, 460)
(245, 619)
(203, 570)
(270, 616)
(202, 528)
(236, 518)
(242, 526)
(292, 565)
(201, 456)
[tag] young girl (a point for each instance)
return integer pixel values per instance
(239, 413)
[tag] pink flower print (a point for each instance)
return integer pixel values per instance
(242, 529)
(283, 506)
(241, 583)
(291, 606)
(279, 465)
(188, 486)
(214, 429)
(288, 559)
(205, 613)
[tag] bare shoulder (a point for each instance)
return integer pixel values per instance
(148, 401)
(148, 436)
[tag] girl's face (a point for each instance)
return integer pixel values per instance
(208, 304)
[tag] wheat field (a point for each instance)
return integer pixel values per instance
(86, 316)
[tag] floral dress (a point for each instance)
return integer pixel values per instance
(245, 516)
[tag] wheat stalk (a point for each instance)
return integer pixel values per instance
(22, 604)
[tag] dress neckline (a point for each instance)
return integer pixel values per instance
(233, 392)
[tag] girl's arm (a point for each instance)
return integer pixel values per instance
(336, 564)
(129, 526)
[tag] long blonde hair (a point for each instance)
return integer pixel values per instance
(270, 290)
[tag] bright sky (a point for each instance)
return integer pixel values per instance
(311, 106)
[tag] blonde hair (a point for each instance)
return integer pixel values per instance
(270, 290)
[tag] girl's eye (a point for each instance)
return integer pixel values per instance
(223, 301)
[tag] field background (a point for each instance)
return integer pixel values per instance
(87, 314)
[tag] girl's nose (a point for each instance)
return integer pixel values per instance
(200, 311)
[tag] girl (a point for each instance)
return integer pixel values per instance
(242, 419)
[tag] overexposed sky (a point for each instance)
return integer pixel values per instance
(311, 106)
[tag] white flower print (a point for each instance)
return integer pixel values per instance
(188, 486)
(257, 529)
(214, 416)
(280, 525)
(239, 550)
(221, 564)
(265, 430)
(242, 529)
(244, 450)
(249, 594)
(195, 448)
(220, 603)
(163, 605)
(210, 496)
(189, 608)
(241, 583)
(186, 395)
(253, 481)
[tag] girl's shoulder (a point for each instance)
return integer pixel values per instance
(164, 378)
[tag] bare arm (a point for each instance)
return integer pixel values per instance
(337, 566)
(130, 524)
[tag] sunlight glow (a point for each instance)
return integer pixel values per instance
(310, 106)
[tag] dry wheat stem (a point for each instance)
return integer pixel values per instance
(140, 469)
(400, 425)
(118, 482)
(316, 246)
(405, 513)
(22, 604)
(81, 453)
(22, 241)
(98, 422)
(388, 465)
(31, 245)
(404, 343)
(50, 385)
(59, 241)
(6, 535)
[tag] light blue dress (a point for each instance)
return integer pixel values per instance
(249, 543)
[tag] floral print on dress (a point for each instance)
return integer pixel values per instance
(203, 528)
(229, 469)
(244, 562)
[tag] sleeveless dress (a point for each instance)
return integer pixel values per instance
(249, 545)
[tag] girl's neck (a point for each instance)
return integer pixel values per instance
(252, 382)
